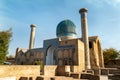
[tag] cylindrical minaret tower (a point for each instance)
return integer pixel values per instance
(32, 36)
(85, 39)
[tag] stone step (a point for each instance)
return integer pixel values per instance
(42, 78)
(94, 77)
(114, 71)
(62, 78)
(80, 79)
(56, 78)
(75, 75)
(85, 76)
(114, 76)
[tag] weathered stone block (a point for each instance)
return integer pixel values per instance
(114, 76)
(85, 76)
(90, 71)
(67, 74)
(104, 77)
(63, 78)
(30, 78)
(52, 78)
(98, 77)
(94, 77)
(97, 71)
(67, 69)
(49, 70)
(23, 78)
(75, 75)
(104, 72)
(114, 71)
(39, 78)
(43, 78)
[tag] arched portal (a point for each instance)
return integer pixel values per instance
(49, 56)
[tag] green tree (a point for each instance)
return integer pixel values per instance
(5, 38)
(110, 54)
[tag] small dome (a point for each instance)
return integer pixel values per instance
(66, 28)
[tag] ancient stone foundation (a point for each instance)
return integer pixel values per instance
(18, 71)
(32, 72)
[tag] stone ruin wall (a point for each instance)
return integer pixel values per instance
(19, 71)
(96, 55)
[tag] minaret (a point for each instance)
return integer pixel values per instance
(32, 36)
(85, 39)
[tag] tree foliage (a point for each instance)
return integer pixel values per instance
(5, 38)
(110, 54)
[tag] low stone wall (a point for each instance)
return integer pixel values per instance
(8, 78)
(19, 71)
(61, 70)
(33, 71)
(49, 70)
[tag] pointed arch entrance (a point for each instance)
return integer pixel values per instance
(49, 57)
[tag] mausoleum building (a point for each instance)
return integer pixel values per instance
(66, 49)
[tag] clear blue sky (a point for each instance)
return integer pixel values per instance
(103, 19)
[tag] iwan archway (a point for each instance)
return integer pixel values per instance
(49, 56)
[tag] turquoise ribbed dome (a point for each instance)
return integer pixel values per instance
(66, 28)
